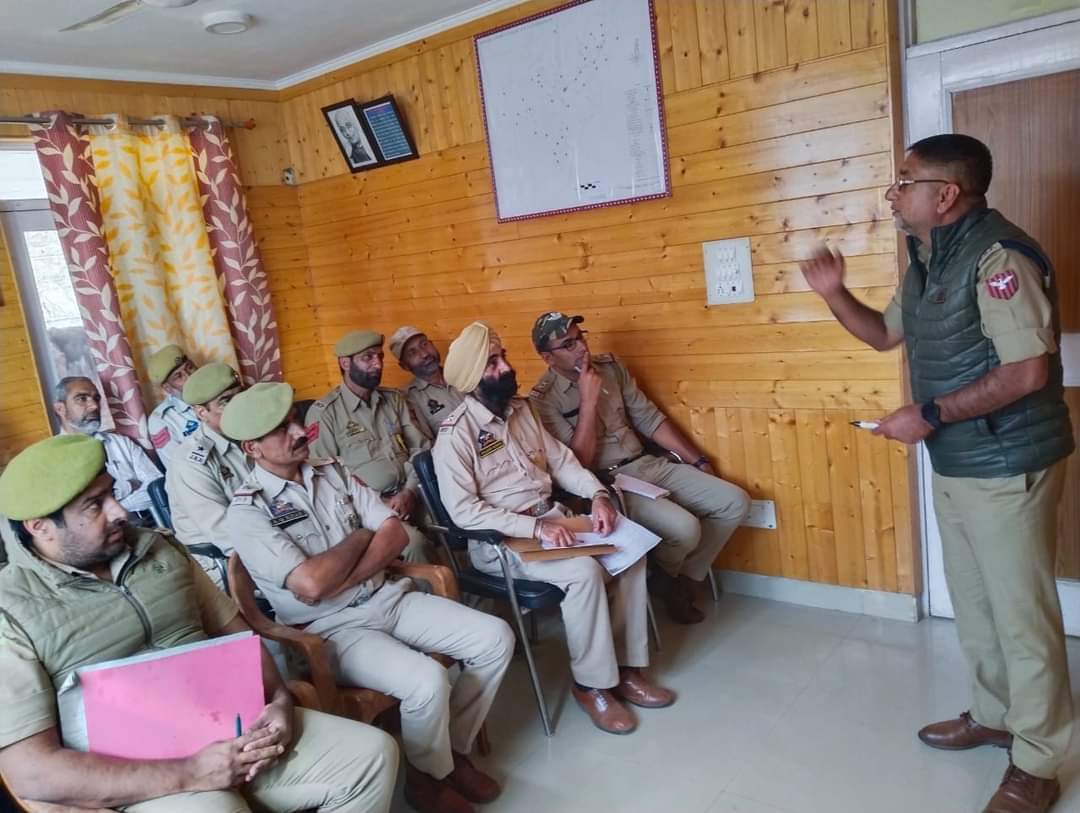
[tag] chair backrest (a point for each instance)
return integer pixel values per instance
(159, 500)
(429, 485)
(243, 593)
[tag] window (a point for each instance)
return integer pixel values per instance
(51, 311)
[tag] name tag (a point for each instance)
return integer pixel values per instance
(283, 514)
(488, 444)
(198, 455)
(352, 428)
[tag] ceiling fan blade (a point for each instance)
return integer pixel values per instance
(109, 15)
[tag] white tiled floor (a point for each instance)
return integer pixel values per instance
(782, 709)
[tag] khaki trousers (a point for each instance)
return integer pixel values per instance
(605, 617)
(335, 766)
(380, 645)
(695, 522)
(999, 543)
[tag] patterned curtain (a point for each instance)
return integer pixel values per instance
(236, 255)
(65, 156)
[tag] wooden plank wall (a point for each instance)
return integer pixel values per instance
(782, 122)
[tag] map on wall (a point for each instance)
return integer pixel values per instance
(572, 109)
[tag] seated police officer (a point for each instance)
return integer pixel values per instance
(430, 397)
(304, 531)
(592, 404)
(84, 587)
(173, 419)
(372, 430)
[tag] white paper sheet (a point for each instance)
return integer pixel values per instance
(632, 485)
(632, 540)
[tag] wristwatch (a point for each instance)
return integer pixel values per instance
(931, 413)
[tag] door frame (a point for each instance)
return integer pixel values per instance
(932, 73)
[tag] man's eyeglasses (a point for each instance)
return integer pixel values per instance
(900, 184)
(569, 344)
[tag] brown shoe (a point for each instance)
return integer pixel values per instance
(427, 794)
(635, 688)
(471, 782)
(605, 710)
(1020, 792)
(963, 733)
(680, 602)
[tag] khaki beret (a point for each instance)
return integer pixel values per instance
(357, 342)
(257, 411)
(49, 474)
(401, 338)
(468, 356)
(552, 326)
(208, 382)
(163, 362)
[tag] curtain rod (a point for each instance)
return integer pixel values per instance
(187, 122)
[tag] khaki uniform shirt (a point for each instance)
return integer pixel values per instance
(622, 414)
(277, 524)
(375, 440)
(33, 669)
(205, 471)
(492, 471)
(431, 404)
(1015, 311)
(170, 423)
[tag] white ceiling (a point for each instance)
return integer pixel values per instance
(291, 40)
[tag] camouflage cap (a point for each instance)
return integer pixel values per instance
(552, 326)
(47, 475)
(401, 338)
(357, 342)
(163, 362)
(208, 382)
(257, 411)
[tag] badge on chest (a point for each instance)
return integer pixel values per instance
(487, 443)
(352, 429)
(284, 513)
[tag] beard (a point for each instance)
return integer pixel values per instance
(89, 425)
(424, 370)
(365, 379)
(499, 391)
(116, 542)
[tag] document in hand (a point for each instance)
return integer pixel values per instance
(632, 541)
(164, 704)
(632, 485)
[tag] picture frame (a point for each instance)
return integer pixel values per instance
(351, 134)
(389, 134)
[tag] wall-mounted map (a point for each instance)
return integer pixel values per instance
(572, 108)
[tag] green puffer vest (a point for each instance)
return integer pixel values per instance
(76, 620)
(947, 350)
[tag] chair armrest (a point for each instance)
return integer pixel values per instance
(314, 650)
(440, 577)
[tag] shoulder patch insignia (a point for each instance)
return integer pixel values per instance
(1003, 285)
(245, 495)
(190, 427)
(451, 420)
(160, 439)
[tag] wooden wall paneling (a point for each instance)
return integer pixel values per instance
(817, 501)
(454, 108)
(908, 535)
(787, 493)
(770, 34)
(834, 26)
(712, 41)
(685, 47)
(741, 37)
(759, 482)
(867, 23)
(730, 460)
(665, 46)
(800, 21)
(468, 91)
(434, 111)
(878, 533)
(846, 498)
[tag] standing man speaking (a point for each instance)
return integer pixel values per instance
(978, 313)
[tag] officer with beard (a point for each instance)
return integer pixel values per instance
(495, 464)
(371, 429)
(431, 398)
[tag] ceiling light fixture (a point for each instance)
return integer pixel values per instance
(226, 22)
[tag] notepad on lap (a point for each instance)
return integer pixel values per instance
(164, 704)
(632, 485)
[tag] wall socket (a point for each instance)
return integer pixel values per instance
(729, 276)
(762, 515)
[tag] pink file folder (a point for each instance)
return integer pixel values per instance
(171, 703)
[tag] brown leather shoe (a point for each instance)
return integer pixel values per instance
(680, 602)
(427, 794)
(963, 733)
(635, 688)
(605, 710)
(471, 782)
(1020, 792)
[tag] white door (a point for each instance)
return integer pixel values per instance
(934, 74)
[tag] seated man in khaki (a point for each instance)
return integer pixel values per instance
(83, 587)
(495, 465)
(431, 398)
(206, 469)
(592, 404)
(173, 419)
(304, 530)
(370, 428)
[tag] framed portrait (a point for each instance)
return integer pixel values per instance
(351, 134)
(387, 127)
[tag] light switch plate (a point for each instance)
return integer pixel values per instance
(729, 274)
(762, 515)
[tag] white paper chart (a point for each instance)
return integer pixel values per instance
(572, 109)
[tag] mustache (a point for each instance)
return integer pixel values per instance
(299, 443)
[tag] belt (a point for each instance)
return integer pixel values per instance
(539, 509)
(621, 463)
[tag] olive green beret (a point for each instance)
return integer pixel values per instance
(163, 362)
(257, 411)
(46, 476)
(208, 382)
(357, 342)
